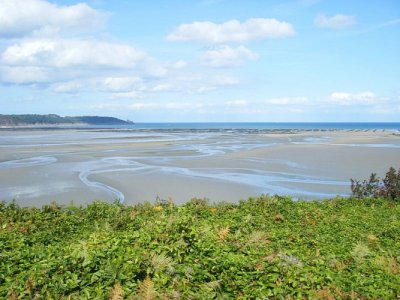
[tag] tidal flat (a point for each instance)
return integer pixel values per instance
(79, 166)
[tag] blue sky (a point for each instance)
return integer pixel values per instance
(205, 60)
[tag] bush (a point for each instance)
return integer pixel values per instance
(388, 187)
(263, 248)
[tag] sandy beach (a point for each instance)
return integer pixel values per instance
(80, 166)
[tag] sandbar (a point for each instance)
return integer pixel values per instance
(132, 166)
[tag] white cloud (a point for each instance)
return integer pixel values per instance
(68, 87)
(183, 105)
(226, 56)
(199, 83)
(119, 106)
(232, 31)
(364, 103)
(137, 106)
(128, 95)
(364, 98)
(88, 65)
(121, 84)
(134, 87)
(186, 106)
(57, 60)
(64, 53)
(334, 22)
(118, 86)
(384, 109)
(292, 105)
(23, 75)
(223, 80)
(163, 87)
(46, 48)
(25, 17)
(288, 101)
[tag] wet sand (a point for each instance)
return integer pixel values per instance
(79, 166)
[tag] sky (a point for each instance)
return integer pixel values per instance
(202, 60)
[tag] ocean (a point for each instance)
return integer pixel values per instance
(271, 126)
(395, 126)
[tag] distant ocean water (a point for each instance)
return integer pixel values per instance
(258, 126)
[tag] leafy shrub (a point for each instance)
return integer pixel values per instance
(388, 187)
(262, 248)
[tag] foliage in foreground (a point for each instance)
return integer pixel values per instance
(388, 187)
(269, 247)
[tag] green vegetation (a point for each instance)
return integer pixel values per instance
(52, 119)
(268, 247)
(388, 187)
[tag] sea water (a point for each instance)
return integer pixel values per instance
(394, 126)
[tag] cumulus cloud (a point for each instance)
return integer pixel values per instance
(334, 22)
(63, 53)
(60, 59)
(226, 56)
(46, 48)
(232, 31)
(25, 17)
(364, 98)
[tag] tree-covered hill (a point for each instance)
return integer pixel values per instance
(53, 119)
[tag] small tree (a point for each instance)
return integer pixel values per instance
(366, 188)
(389, 187)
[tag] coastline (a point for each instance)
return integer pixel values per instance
(45, 126)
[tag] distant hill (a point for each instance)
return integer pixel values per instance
(53, 119)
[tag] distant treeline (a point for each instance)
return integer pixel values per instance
(53, 119)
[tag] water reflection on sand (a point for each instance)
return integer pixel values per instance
(39, 166)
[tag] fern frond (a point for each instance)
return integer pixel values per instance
(212, 285)
(223, 233)
(117, 293)
(360, 251)
(161, 262)
(147, 290)
(257, 237)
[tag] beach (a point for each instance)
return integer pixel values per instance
(78, 166)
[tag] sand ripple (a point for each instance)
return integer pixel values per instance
(28, 162)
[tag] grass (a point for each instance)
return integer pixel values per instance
(267, 247)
